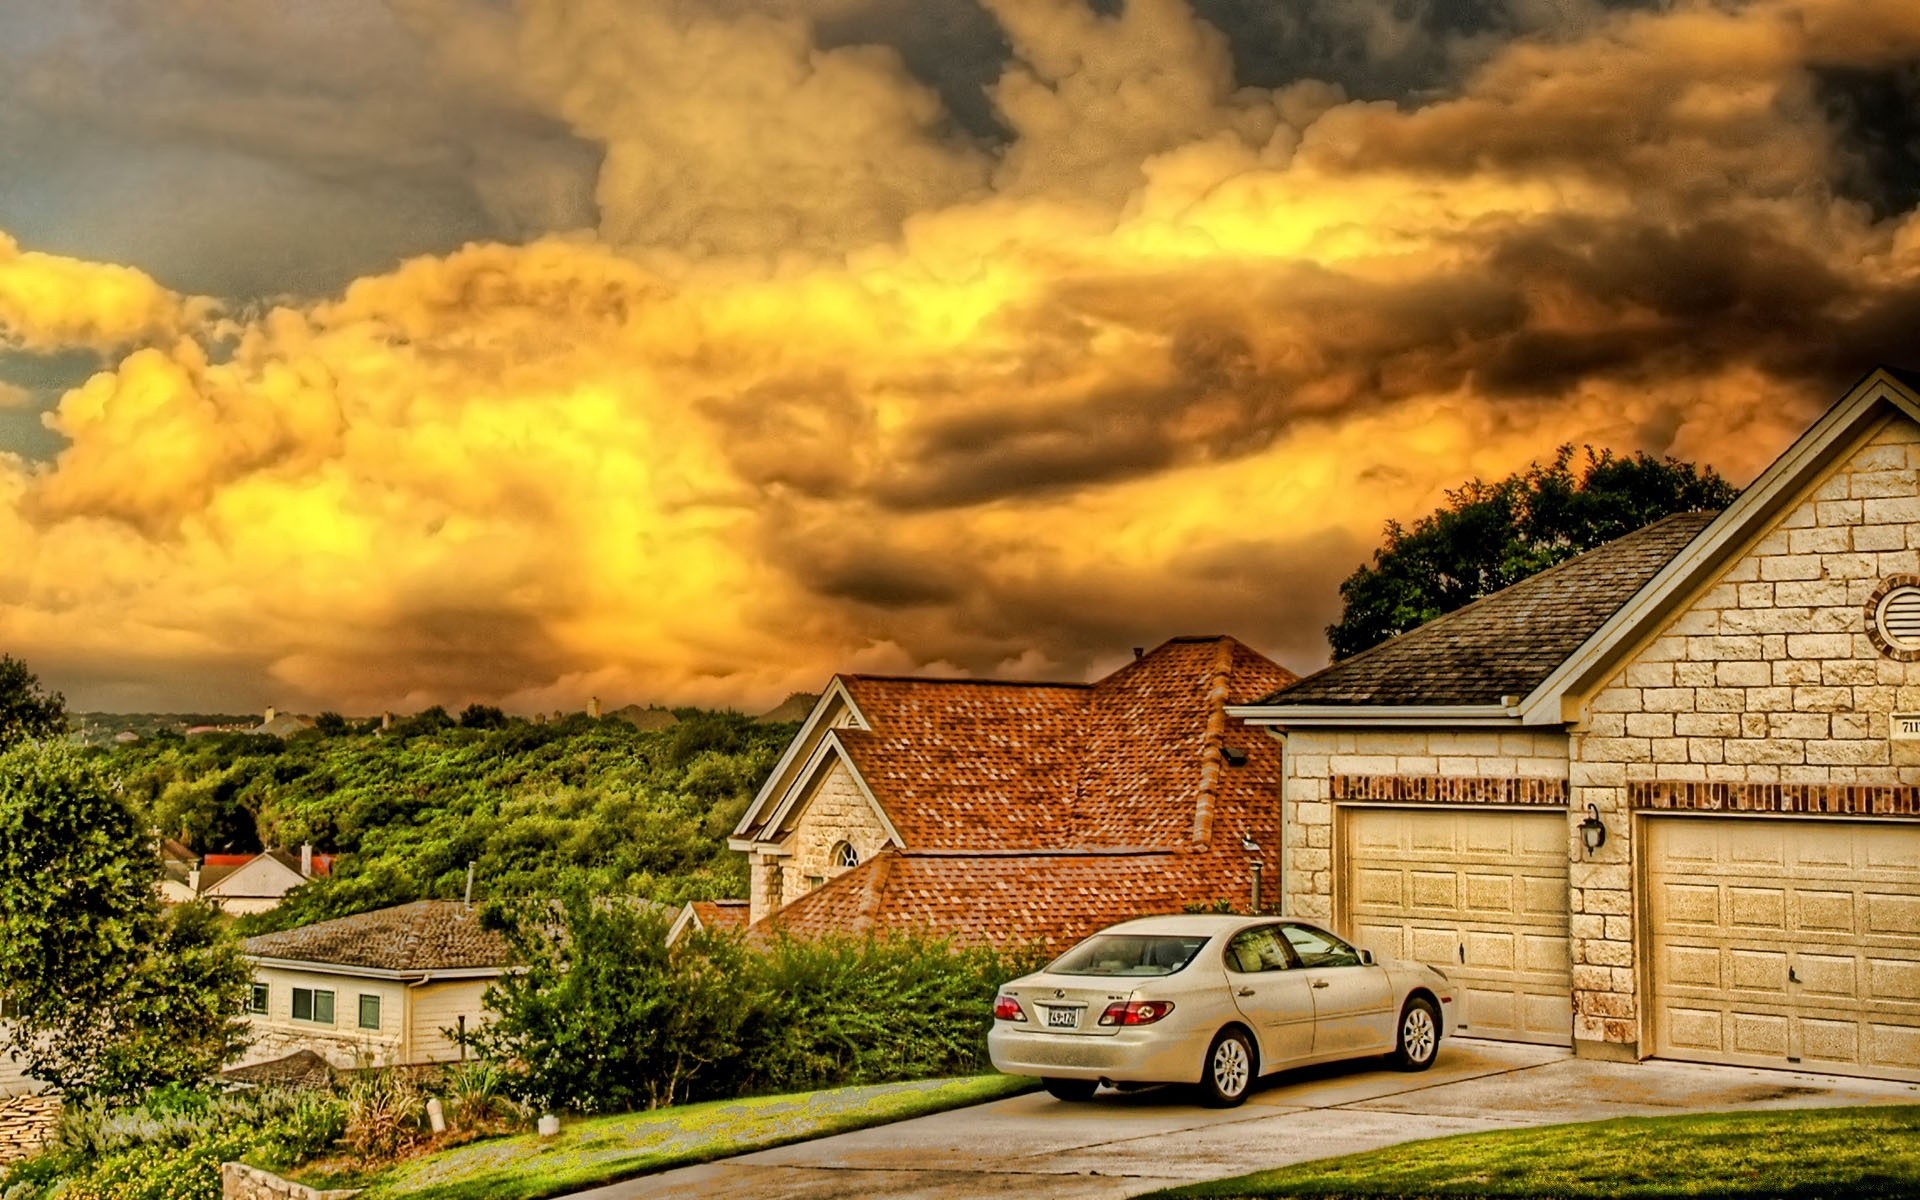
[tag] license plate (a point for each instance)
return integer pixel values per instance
(1063, 1018)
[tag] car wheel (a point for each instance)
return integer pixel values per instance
(1419, 1035)
(1074, 1090)
(1228, 1075)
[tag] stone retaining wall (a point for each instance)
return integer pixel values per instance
(238, 1181)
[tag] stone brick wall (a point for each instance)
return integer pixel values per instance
(836, 811)
(1769, 682)
(1315, 757)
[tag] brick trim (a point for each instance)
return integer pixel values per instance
(1826, 799)
(1451, 789)
(1872, 611)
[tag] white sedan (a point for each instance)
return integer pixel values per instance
(1217, 1001)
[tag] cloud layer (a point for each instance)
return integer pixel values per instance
(838, 374)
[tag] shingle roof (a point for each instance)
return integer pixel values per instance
(1505, 644)
(1010, 900)
(427, 935)
(721, 914)
(1132, 760)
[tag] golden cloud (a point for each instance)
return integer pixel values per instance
(48, 302)
(836, 386)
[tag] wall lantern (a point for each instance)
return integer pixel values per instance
(1593, 831)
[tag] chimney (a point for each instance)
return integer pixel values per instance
(1139, 652)
(193, 879)
(272, 712)
(306, 860)
(593, 707)
(386, 719)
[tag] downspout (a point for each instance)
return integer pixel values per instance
(1281, 871)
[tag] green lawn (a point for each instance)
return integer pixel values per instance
(596, 1150)
(1811, 1154)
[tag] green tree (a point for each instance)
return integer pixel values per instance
(482, 716)
(109, 995)
(1491, 535)
(27, 711)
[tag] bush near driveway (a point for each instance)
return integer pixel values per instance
(1804, 1154)
(599, 1150)
(606, 1017)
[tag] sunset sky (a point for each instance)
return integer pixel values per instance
(369, 354)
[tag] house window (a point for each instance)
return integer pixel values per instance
(845, 856)
(257, 998)
(369, 1012)
(311, 1004)
(814, 881)
(8, 1008)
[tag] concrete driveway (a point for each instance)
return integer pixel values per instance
(1124, 1145)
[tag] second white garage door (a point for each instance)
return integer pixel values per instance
(1786, 941)
(1479, 893)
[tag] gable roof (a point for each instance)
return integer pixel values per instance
(267, 875)
(1133, 760)
(1505, 644)
(427, 935)
(1886, 392)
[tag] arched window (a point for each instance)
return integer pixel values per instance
(844, 856)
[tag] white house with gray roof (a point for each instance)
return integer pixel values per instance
(1663, 799)
(382, 988)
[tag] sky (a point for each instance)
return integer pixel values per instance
(371, 354)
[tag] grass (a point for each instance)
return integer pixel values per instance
(597, 1150)
(1808, 1154)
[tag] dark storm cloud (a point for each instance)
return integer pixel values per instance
(1877, 114)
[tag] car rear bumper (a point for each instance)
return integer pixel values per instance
(1130, 1056)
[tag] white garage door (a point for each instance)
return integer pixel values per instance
(1479, 893)
(1781, 941)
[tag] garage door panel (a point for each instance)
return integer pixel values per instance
(1829, 912)
(1897, 980)
(1482, 894)
(1893, 916)
(1894, 1047)
(1781, 942)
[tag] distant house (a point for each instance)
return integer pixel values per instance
(237, 883)
(709, 914)
(282, 725)
(384, 988)
(1017, 813)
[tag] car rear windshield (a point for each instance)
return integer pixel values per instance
(1128, 954)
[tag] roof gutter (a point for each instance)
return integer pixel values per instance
(1348, 716)
(415, 976)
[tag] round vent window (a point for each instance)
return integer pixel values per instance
(1893, 618)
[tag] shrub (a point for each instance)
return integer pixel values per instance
(386, 1113)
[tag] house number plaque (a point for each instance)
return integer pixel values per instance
(1904, 727)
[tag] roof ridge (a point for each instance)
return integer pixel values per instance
(1454, 616)
(1219, 691)
(979, 679)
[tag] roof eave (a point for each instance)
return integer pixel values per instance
(388, 973)
(1555, 700)
(1346, 716)
(835, 689)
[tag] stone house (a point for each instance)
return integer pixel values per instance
(383, 988)
(1661, 800)
(1016, 813)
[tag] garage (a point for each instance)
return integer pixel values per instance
(1480, 893)
(1782, 941)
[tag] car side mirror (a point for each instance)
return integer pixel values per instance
(1366, 958)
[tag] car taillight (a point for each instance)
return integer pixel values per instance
(1006, 1008)
(1136, 1012)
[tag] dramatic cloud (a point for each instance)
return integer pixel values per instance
(841, 372)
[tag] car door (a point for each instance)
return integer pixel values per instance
(1353, 1009)
(1273, 995)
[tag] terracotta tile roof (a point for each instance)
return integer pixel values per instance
(721, 914)
(1010, 900)
(1131, 761)
(1505, 644)
(427, 935)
